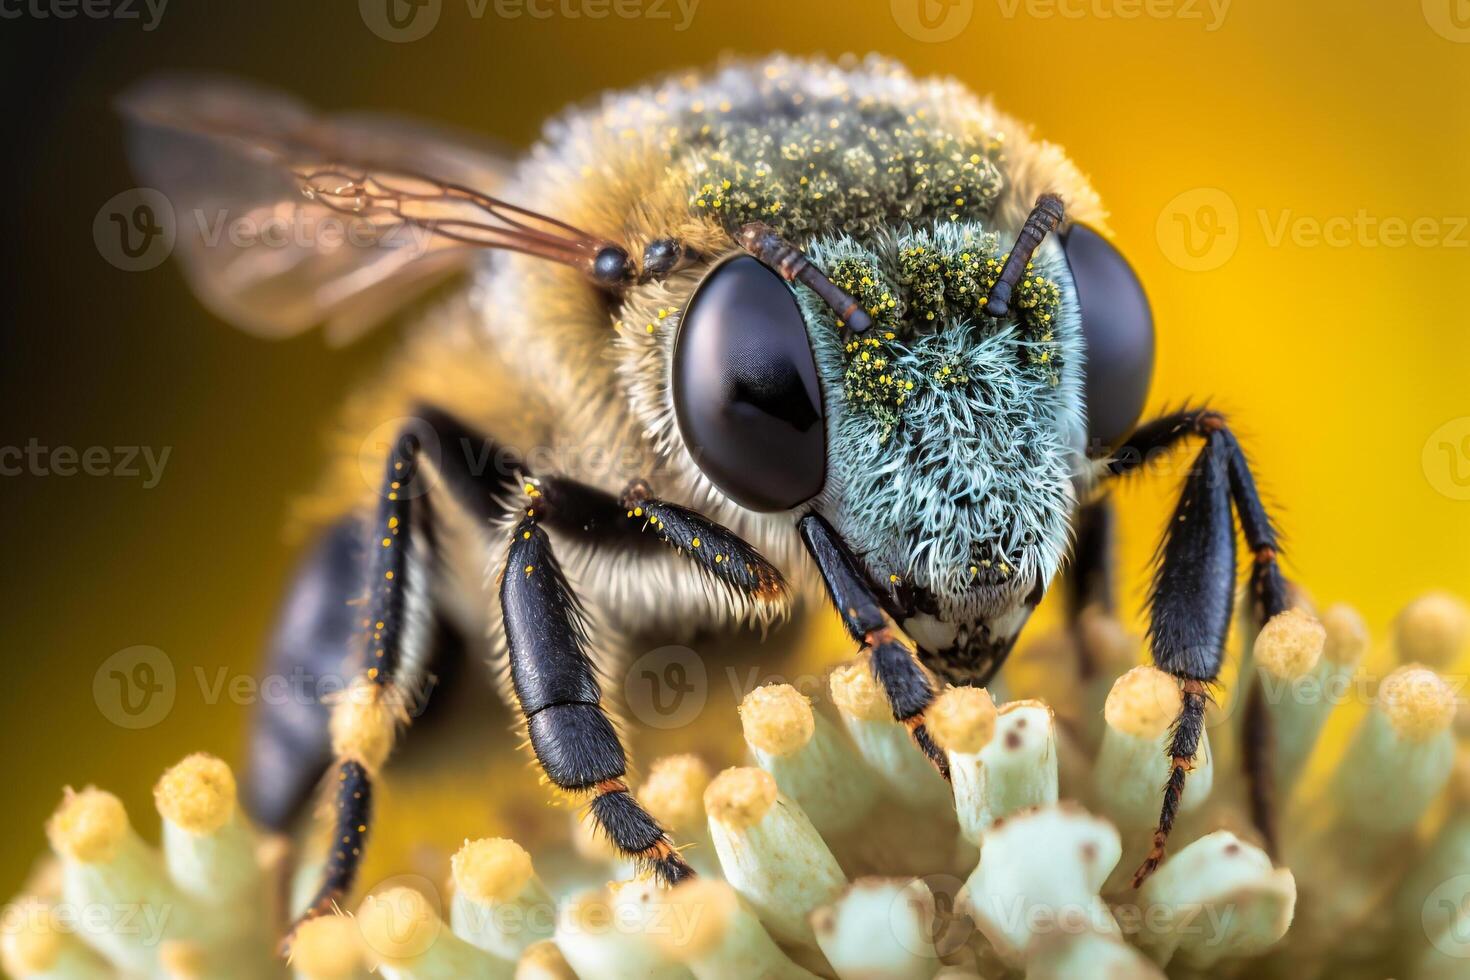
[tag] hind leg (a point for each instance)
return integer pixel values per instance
(312, 653)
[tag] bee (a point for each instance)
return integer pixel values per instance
(783, 330)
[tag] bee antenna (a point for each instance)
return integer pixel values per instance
(1044, 217)
(791, 264)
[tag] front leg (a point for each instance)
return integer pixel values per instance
(546, 635)
(559, 697)
(909, 687)
(1192, 599)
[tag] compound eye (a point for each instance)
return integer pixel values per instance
(745, 388)
(1119, 331)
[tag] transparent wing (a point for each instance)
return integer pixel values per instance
(286, 219)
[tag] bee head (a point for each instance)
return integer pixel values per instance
(944, 442)
(945, 439)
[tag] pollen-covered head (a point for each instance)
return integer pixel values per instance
(953, 437)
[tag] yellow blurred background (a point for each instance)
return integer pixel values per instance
(1287, 178)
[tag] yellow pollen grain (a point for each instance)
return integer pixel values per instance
(1432, 630)
(181, 958)
(740, 797)
(962, 719)
(674, 790)
(197, 795)
(399, 924)
(1143, 702)
(89, 826)
(709, 907)
(1290, 644)
(491, 870)
(1417, 702)
(327, 948)
(34, 945)
(777, 719)
(856, 693)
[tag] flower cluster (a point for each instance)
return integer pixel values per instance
(839, 852)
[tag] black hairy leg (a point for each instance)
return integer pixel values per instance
(638, 520)
(551, 668)
(1192, 596)
(318, 638)
(556, 686)
(908, 686)
(365, 722)
(395, 629)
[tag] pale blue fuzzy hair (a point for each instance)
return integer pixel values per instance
(981, 469)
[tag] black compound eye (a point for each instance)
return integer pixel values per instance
(745, 388)
(1119, 331)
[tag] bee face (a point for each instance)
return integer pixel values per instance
(955, 438)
